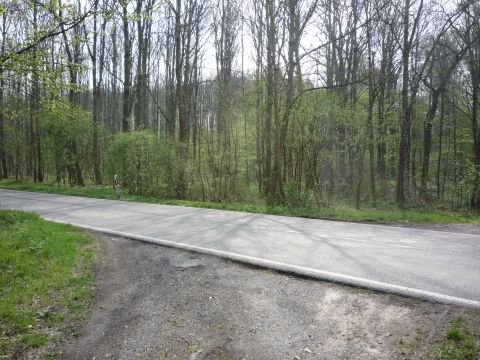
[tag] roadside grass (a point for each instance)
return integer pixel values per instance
(45, 282)
(386, 214)
(459, 343)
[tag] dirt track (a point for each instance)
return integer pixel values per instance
(153, 302)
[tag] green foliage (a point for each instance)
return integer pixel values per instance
(326, 152)
(8, 218)
(45, 280)
(143, 163)
(192, 348)
(214, 174)
(295, 197)
(67, 136)
(459, 344)
(455, 334)
(14, 132)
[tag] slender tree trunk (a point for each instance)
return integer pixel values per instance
(143, 20)
(127, 69)
(371, 104)
(427, 143)
(270, 185)
(406, 111)
(73, 55)
(170, 94)
(35, 108)
(440, 142)
(358, 185)
(259, 145)
(280, 145)
(475, 199)
(179, 99)
(3, 155)
(455, 166)
(114, 125)
(382, 144)
(96, 99)
(178, 76)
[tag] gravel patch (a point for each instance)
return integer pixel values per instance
(153, 302)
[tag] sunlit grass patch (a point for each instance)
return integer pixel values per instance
(45, 280)
(459, 344)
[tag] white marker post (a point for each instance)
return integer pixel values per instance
(116, 185)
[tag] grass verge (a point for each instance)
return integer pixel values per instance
(45, 283)
(392, 214)
(459, 343)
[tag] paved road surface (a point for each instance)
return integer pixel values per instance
(429, 264)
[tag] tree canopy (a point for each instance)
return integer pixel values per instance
(300, 102)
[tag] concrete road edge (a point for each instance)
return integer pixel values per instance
(294, 269)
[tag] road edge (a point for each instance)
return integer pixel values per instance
(294, 269)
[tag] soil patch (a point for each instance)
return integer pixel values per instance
(153, 302)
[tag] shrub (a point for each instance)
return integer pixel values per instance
(295, 197)
(67, 137)
(142, 162)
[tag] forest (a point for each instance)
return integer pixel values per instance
(306, 103)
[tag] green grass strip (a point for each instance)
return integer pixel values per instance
(45, 281)
(387, 214)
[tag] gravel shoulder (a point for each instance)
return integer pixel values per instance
(153, 302)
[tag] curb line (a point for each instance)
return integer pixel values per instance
(294, 269)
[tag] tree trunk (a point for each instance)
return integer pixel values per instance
(3, 155)
(475, 199)
(270, 185)
(182, 123)
(406, 112)
(371, 102)
(127, 70)
(36, 151)
(427, 143)
(440, 142)
(95, 100)
(76, 176)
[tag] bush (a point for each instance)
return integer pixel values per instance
(142, 162)
(295, 197)
(67, 137)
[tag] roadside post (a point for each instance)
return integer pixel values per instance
(117, 186)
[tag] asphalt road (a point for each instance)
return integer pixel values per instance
(435, 265)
